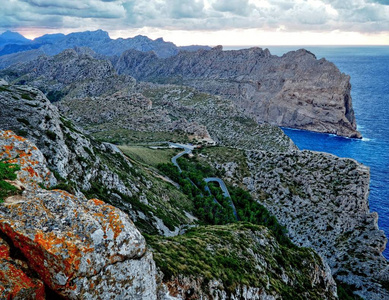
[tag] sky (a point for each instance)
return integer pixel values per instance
(208, 22)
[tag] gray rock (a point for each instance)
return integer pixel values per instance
(295, 90)
(323, 202)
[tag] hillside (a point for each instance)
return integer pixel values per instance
(295, 90)
(86, 243)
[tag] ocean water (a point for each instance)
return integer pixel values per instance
(368, 67)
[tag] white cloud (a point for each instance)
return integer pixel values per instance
(369, 16)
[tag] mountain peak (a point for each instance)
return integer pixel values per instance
(13, 36)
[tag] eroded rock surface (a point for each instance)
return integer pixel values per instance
(14, 282)
(295, 90)
(240, 261)
(80, 248)
(323, 202)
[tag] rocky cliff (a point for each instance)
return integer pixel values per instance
(295, 90)
(54, 243)
(79, 249)
(323, 202)
(97, 169)
(73, 73)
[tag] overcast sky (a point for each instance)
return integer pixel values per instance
(212, 22)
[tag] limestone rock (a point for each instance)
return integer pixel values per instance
(26, 111)
(14, 282)
(72, 73)
(80, 248)
(81, 164)
(208, 257)
(323, 202)
(295, 90)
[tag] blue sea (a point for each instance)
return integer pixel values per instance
(368, 67)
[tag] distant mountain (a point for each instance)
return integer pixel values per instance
(15, 48)
(10, 37)
(99, 41)
(295, 90)
(49, 38)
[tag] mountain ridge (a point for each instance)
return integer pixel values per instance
(97, 40)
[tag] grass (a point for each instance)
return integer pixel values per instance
(122, 136)
(230, 253)
(7, 172)
(149, 156)
(223, 155)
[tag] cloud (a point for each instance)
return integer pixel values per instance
(300, 15)
(237, 7)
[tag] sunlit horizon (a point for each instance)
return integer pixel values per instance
(236, 37)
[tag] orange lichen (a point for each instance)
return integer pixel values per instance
(19, 281)
(30, 171)
(4, 251)
(97, 201)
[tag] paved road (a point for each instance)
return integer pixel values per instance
(224, 189)
(188, 149)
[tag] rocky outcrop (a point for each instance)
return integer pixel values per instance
(239, 261)
(14, 282)
(295, 90)
(81, 249)
(149, 109)
(72, 73)
(83, 165)
(323, 202)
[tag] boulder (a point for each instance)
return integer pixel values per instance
(79, 248)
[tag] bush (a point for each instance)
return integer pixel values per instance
(7, 171)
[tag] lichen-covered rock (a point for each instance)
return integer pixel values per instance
(81, 164)
(33, 170)
(323, 202)
(80, 248)
(14, 282)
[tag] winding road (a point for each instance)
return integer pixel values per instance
(187, 150)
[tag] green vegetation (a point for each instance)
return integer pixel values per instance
(192, 183)
(122, 136)
(4, 89)
(66, 124)
(345, 291)
(229, 253)
(26, 96)
(24, 121)
(7, 171)
(55, 96)
(149, 156)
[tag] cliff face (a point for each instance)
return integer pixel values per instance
(97, 169)
(295, 90)
(72, 73)
(323, 202)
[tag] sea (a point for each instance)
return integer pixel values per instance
(368, 67)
